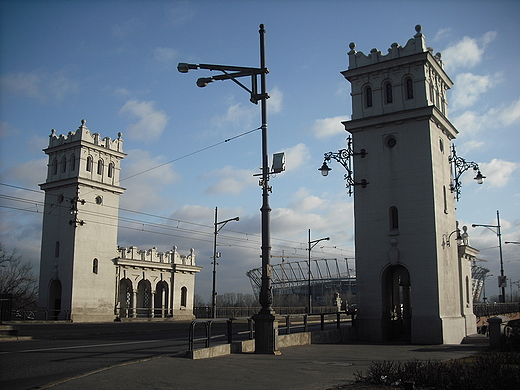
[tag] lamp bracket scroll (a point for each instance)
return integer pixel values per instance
(345, 158)
(459, 166)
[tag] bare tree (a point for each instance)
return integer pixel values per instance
(17, 278)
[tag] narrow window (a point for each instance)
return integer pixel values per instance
(110, 169)
(184, 296)
(389, 93)
(57, 249)
(95, 265)
(409, 88)
(368, 97)
(467, 290)
(54, 167)
(445, 200)
(394, 219)
(100, 167)
(72, 163)
(89, 164)
(63, 164)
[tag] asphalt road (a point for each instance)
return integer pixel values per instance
(60, 351)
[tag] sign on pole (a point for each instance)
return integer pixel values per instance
(502, 281)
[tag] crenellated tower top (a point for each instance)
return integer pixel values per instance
(407, 78)
(84, 134)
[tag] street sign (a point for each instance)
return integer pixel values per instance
(502, 281)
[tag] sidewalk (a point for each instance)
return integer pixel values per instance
(313, 367)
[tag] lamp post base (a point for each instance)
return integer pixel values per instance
(266, 334)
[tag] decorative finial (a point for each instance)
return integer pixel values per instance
(352, 46)
(83, 122)
(119, 135)
(418, 28)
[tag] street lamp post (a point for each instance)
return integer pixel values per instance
(312, 244)
(265, 333)
(502, 279)
(216, 255)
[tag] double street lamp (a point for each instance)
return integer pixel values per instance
(216, 255)
(312, 244)
(501, 279)
(265, 340)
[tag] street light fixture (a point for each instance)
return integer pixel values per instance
(265, 340)
(502, 279)
(216, 255)
(312, 244)
(344, 157)
(459, 166)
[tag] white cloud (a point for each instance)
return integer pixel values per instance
(442, 33)
(27, 173)
(275, 102)
(498, 172)
(39, 84)
(469, 123)
(296, 156)
(145, 182)
(467, 52)
(468, 89)
(510, 114)
(232, 181)
(328, 127)
(151, 123)
(237, 115)
(165, 55)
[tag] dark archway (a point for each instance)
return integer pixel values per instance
(126, 298)
(161, 300)
(54, 304)
(397, 306)
(144, 299)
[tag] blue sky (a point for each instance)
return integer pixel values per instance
(114, 63)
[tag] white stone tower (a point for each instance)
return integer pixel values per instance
(79, 236)
(411, 281)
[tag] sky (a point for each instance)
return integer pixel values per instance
(191, 149)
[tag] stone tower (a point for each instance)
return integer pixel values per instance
(79, 235)
(411, 281)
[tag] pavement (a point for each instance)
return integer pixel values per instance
(313, 367)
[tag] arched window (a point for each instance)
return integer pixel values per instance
(368, 97)
(57, 249)
(389, 96)
(54, 167)
(100, 167)
(72, 163)
(95, 264)
(184, 296)
(89, 163)
(110, 169)
(409, 88)
(63, 164)
(394, 220)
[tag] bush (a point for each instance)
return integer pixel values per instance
(490, 370)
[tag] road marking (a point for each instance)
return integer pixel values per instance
(91, 346)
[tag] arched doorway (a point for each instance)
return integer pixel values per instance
(54, 304)
(397, 306)
(126, 298)
(161, 300)
(144, 299)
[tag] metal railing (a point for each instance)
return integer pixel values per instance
(495, 309)
(290, 326)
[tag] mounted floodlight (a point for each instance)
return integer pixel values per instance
(185, 68)
(278, 163)
(204, 81)
(324, 169)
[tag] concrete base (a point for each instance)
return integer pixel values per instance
(266, 333)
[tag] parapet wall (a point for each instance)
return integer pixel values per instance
(152, 255)
(84, 134)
